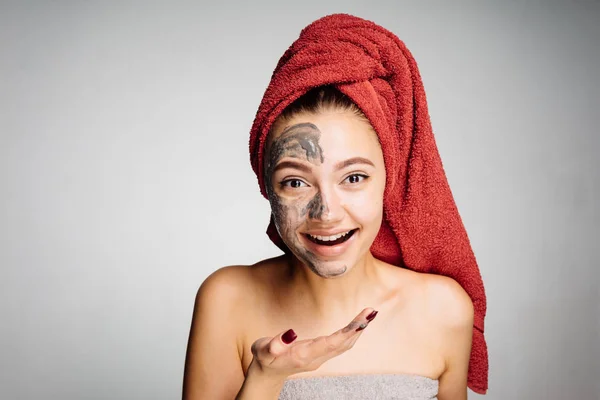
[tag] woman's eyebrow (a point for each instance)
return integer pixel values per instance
(352, 161)
(340, 165)
(292, 164)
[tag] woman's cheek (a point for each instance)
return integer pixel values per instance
(289, 219)
(365, 206)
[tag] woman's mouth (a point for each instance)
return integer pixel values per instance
(330, 240)
(327, 247)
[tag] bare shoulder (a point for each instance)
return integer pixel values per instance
(448, 302)
(226, 283)
(235, 281)
(440, 297)
(213, 367)
(450, 308)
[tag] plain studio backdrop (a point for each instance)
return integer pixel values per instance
(125, 179)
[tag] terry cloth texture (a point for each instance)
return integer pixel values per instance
(361, 387)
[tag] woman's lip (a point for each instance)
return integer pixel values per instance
(327, 233)
(328, 251)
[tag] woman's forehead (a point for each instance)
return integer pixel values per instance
(337, 133)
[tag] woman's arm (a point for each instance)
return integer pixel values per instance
(213, 368)
(455, 317)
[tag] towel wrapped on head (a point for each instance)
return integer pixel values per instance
(421, 229)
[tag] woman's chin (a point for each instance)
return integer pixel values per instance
(330, 269)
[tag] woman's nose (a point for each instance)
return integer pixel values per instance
(325, 206)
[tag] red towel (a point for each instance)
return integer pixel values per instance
(422, 229)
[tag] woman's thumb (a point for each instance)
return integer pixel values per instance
(267, 349)
(288, 336)
(278, 344)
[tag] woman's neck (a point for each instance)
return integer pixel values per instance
(345, 294)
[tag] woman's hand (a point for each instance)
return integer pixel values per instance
(282, 356)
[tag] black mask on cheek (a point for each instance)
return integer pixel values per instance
(297, 141)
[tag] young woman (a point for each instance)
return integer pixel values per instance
(328, 319)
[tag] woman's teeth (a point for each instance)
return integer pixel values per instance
(332, 240)
(329, 238)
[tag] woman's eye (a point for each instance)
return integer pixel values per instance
(293, 183)
(356, 178)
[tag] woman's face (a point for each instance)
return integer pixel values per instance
(325, 179)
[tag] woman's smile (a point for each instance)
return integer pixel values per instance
(329, 246)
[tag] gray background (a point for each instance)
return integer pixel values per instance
(125, 180)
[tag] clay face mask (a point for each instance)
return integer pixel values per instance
(299, 141)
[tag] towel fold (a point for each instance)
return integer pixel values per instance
(421, 229)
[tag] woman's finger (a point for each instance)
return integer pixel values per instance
(326, 347)
(268, 349)
(360, 322)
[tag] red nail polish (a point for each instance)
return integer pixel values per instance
(289, 336)
(361, 327)
(372, 316)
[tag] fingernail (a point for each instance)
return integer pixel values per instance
(372, 316)
(361, 327)
(289, 336)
